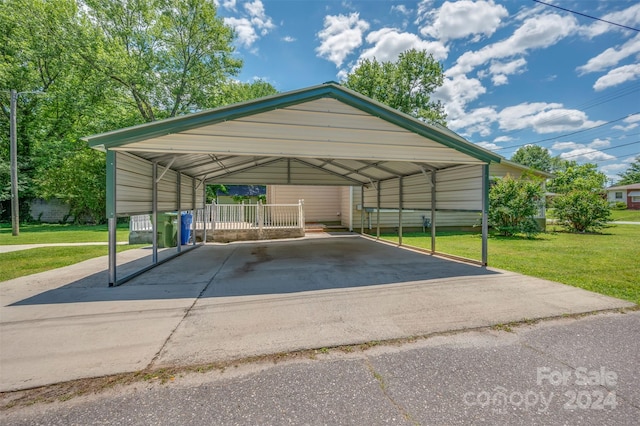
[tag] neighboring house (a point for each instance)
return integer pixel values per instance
(628, 194)
(339, 205)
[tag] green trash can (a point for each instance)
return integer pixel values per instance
(167, 231)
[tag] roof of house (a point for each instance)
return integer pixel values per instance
(631, 186)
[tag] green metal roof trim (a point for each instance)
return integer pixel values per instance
(122, 137)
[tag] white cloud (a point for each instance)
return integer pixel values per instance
(543, 118)
(462, 19)
(259, 18)
(614, 168)
(500, 80)
(586, 154)
(629, 17)
(582, 152)
(288, 39)
(401, 9)
(537, 32)
(254, 21)
(618, 76)
(488, 145)
(244, 30)
(477, 121)
(389, 43)
(600, 143)
(341, 36)
(633, 122)
(456, 92)
(226, 4)
(561, 146)
(611, 56)
(503, 139)
(508, 68)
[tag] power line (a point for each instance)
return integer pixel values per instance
(568, 134)
(587, 16)
(598, 150)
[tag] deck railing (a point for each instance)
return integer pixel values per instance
(257, 216)
(236, 216)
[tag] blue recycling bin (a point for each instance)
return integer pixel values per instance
(185, 228)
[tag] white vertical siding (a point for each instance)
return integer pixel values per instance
(321, 203)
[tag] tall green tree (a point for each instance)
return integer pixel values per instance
(405, 85)
(100, 65)
(171, 57)
(632, 174)
(533, 156)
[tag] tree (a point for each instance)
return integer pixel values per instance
(574, 177)
(171, 57)
(405, 85)
(581, 205)
(513, 204)
(582, 210)
(632, 174)
(533, 156)
(102, 65)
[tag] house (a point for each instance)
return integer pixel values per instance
(341, 206)
(628, 194)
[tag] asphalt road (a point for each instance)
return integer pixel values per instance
(566, 371)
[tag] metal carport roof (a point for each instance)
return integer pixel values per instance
(328, 132)
(321, 135)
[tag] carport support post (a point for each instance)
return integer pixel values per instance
(485, 213)
(433, 211)
(111, 214)
(378, 212)
(179, 202)
(193, 210)
(362, 210)
(154, 211)
(400, 202)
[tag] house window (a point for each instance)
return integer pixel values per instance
(619, 195)
(635, 199)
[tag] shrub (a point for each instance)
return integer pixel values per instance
(619, 205)
(513, 203)
(582, 210)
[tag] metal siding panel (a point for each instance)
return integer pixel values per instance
(133, 189)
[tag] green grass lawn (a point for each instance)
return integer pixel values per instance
(26, 262)
(626, 215)
(605, 263)
(53, 233)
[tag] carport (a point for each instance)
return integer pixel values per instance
(322, 135)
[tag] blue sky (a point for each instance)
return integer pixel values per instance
(517, 72)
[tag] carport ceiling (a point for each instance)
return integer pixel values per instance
(322, 135)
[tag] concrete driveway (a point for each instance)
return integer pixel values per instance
(223, 302)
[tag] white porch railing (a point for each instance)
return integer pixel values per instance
(256, 216)
(236, 216)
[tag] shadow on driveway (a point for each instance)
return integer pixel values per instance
(266, 267)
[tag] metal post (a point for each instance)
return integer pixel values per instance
(204, 212)
(112, 216)
(193, 211)
(351, 209)
(362, 209)
(154, 211)
(15, 204)
(400, 202)
(179, 220)
(433, 211)
(485, 213)
(378, 212)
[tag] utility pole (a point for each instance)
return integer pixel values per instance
(13, 141)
